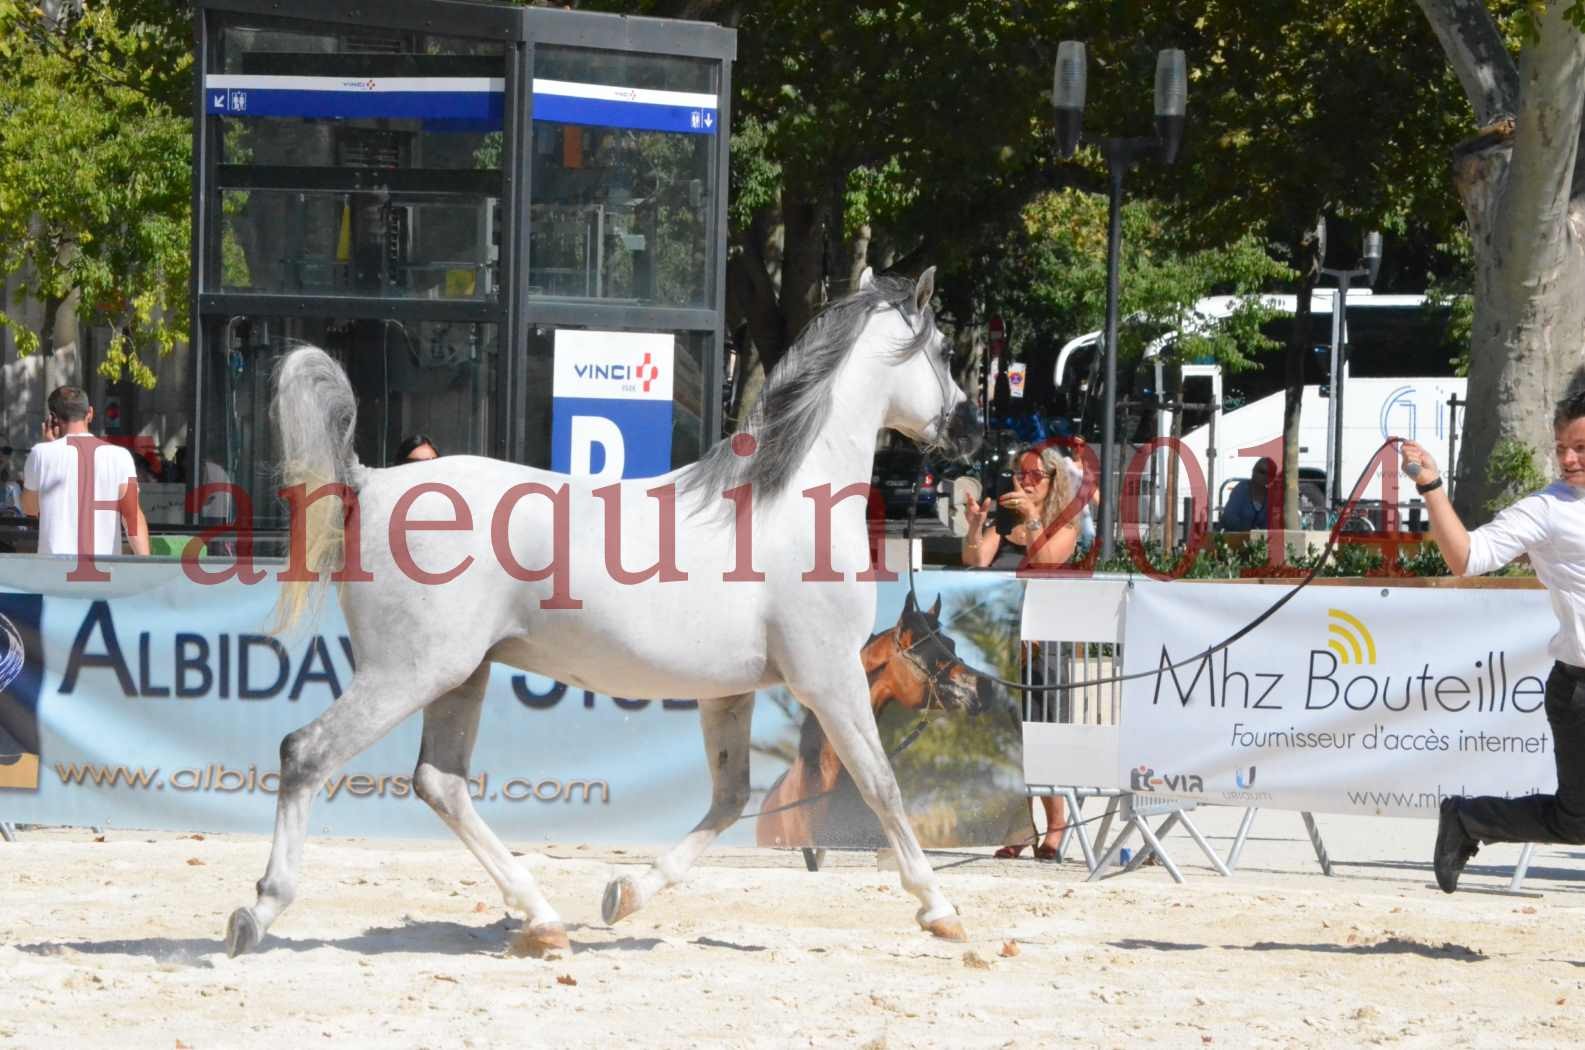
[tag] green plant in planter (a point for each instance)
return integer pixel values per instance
(1353, 559)
(1427, 561)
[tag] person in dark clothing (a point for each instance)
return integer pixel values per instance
(1245, 508)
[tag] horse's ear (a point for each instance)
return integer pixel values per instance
(935, 610)
(908, 604)
(925, 289)
(866, 279)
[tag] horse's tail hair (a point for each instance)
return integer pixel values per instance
(314, 412)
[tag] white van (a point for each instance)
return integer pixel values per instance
(1398, 381)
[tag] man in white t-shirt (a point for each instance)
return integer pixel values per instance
(1549, 526)
(54, 490)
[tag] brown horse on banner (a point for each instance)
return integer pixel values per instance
(912, 663)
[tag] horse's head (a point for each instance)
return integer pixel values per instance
(924, 402)
(918, 666)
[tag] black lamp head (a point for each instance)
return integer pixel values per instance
(1172, 95)
(1067, 95)
(1372, 256)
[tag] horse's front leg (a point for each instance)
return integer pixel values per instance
(842, 705)
(371, 707)
(726, 724)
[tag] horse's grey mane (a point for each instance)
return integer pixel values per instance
(797, 398)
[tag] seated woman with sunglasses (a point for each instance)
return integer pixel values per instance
(1042, 487)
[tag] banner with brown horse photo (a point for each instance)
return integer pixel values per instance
(954, 736)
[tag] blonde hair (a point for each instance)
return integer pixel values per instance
(1055, 467)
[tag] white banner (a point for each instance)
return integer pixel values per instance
(1348, 700)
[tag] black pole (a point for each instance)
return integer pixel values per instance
(1117, 161)
(1339, 334)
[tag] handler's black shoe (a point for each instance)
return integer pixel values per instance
(1454, 846)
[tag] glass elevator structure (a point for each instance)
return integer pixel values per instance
(507, 223)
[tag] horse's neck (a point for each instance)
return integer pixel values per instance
(878, 667)
(844, 450)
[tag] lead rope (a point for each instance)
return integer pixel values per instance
(1331, 544)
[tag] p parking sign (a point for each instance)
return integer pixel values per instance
(611, 411)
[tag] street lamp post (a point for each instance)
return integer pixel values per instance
(1368, 269)
(1120, 154)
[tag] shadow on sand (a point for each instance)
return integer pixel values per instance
(1389, 946)
(413, 936)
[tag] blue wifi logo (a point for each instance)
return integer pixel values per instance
(1246, 779)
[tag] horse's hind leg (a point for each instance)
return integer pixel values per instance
(451, 725)
(372, 706)
(726, 724)
(845, 715)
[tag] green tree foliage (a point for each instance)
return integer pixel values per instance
(1050, 279)
(94, 179)
(1341, 110)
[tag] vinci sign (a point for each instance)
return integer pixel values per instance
(612, 404)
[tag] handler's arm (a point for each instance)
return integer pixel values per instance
(1450, 535)
(1452, 539)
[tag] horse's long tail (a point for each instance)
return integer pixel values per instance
(314, 412)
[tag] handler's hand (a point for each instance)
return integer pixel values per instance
(1413, 453)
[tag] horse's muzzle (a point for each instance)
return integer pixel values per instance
(963, 436)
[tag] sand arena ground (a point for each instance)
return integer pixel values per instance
(117, 943)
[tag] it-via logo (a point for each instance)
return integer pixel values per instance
(1245, 778)
(1145, 779)
(1350, 639)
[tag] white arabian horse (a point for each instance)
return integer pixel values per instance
(732, 626)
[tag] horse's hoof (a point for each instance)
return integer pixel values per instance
(620, 901)
(536, 942)
(948, 928)
(242, 932)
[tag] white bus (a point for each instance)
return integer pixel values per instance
(1397, 381)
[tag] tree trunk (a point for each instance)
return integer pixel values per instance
(1525, 343)
(752, 277)
(808, 221)
(1169, 479)
(859, 256)
(1520, 182)
(52, 312)
(1307, 261)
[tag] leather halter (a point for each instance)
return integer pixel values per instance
(933, 679)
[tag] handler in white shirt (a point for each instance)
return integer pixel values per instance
(54, 491)
(1549, 526)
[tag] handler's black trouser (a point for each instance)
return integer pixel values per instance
(1556, 818)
